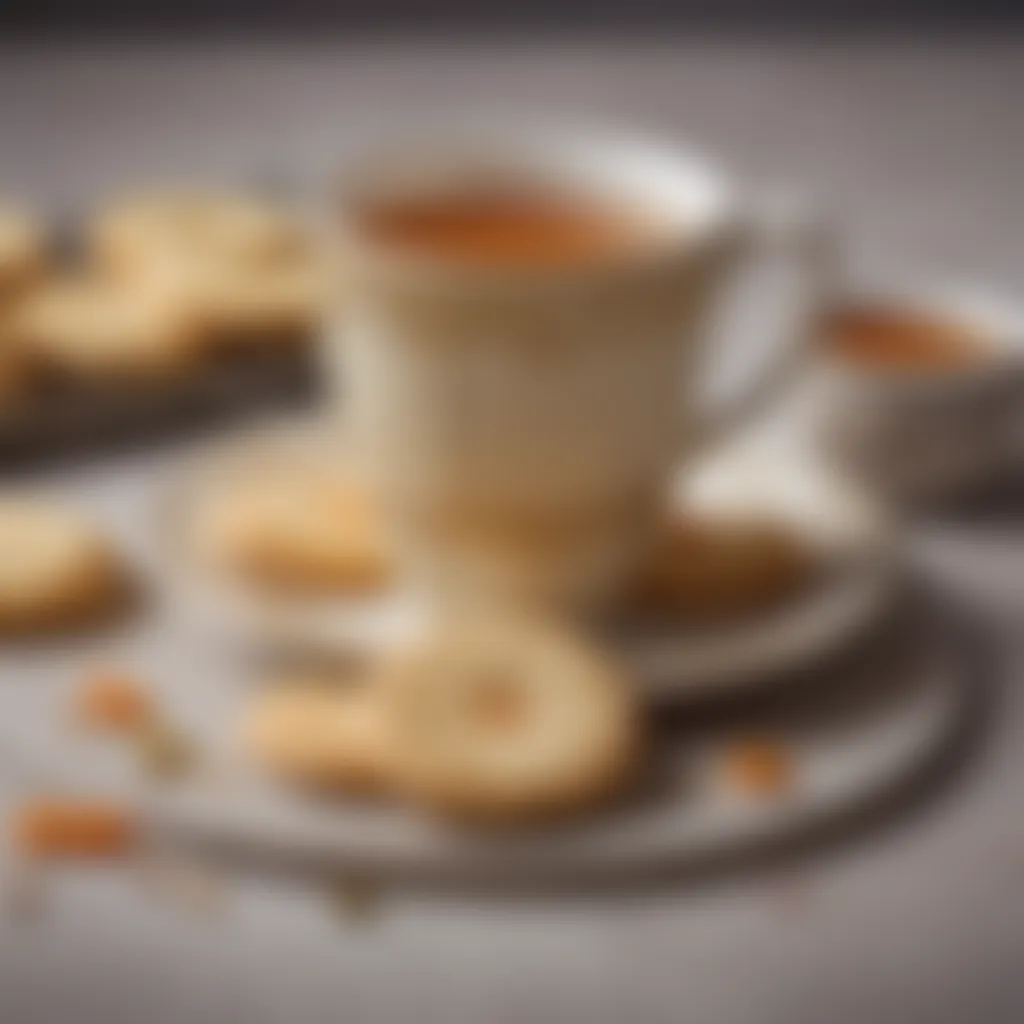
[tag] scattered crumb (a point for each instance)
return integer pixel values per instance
(114, 702)
(357, 900)
(111, 701)
(759, 768)
(73, 828)
(165, 754)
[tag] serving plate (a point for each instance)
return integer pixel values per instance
(877, 726)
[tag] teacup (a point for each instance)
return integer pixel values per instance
(935, 419)
(522, 419)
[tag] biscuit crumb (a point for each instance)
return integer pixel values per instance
(55, 828)
(356, 900)
(759, 768)
(113, 701)
(165, 753)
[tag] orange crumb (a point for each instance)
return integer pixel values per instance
(113, 702)
(759, 768)
(54, 828)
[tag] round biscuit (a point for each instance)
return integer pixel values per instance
(505, 723)
(303, 531)
(56, 569)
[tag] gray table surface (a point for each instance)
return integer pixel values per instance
(919, 149)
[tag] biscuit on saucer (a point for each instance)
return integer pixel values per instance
(503, 723)
(709, 568)
(235, 305)
(318, 733)
(56, 569)
(305, 531)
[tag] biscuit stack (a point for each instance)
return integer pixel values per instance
(166, 283)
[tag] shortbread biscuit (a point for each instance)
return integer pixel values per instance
(23, 252)
(241, 229)
(305, 531)
(712, 568)
(234, 305)
(56, 569)
(96, 329)
(282, 304)
(318, 733)
(506, 723)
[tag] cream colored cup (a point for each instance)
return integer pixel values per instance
(523, 424)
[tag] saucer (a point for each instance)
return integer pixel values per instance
(849, 532)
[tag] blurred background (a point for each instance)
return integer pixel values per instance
(852, 99)
(458, 15)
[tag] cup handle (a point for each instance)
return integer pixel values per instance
(775, 228)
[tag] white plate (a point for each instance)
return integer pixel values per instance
(851, 533)
(874, 726)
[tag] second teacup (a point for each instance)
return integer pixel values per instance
(919, 387)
